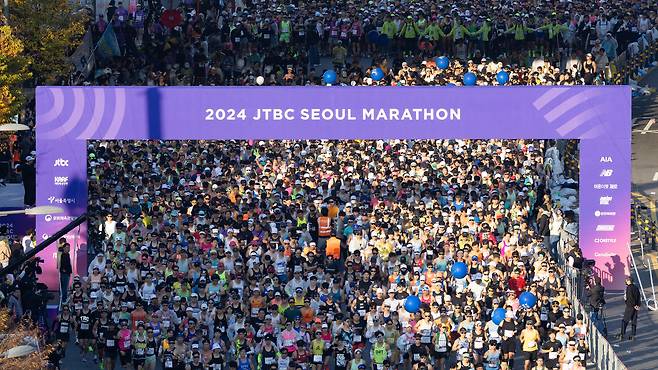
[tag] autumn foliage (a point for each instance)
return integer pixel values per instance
(50, 31)
(13, 71)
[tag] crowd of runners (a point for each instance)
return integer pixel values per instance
(266, 42)
(301, 254)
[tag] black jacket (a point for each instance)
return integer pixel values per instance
(632, 296)
(595, 295)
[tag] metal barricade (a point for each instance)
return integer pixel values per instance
(602, 352)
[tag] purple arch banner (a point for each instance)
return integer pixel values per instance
(599, 117)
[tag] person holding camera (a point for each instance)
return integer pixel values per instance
(595, 299)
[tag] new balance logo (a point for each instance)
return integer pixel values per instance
(605, 201)
(606, 173)
(60, 162)
(605, 227)
(61, 180)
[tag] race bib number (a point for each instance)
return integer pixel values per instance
(166, 323)
(63, 329)
(254, 311)
(150, 351)
(138, 18)
(334, 33)
(416, 356)
(357, 338)
(355, 32)
(543, 317)
(237, 39)
(343, 34)
(78, 306)
(169, 364)
(266, 36)
(84, 326)
(552, 355)
(362, 312)
(425, 340)
(269, 361)
(126, 344)
(301, 33)
(110, 343)
(478, 344)
(379, 366)
(317, 358)
(508, 333)
(140, 351)
(287, 343)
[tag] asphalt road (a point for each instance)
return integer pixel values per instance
(645, 144)
(641, 354)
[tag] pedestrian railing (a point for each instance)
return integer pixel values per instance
(602, 353)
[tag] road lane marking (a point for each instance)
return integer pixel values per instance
(655, 176)
(647, 127)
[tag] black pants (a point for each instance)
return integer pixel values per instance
(30, 192)
(630, 316)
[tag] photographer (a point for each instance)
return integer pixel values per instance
(595, 298)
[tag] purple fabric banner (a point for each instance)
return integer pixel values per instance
(17, 225)
(599, 116)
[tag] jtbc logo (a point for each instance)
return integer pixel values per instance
(60, 162)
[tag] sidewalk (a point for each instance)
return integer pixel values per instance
(11, 196)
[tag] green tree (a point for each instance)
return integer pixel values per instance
(13, 72)
(50, 31)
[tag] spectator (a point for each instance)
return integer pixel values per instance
(65, 270)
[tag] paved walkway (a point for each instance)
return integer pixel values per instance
(11, 196)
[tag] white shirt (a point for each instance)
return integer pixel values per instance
(110, 228)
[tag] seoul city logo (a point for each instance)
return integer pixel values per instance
(61, 162)
(48, 218)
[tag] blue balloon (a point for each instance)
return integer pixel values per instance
(412, 304)
(377, 74)
(459, 270)
(498, 315)
(502, 77)
(470, 79)
(372, 36)
(527, 300)
(382, 40)
(329, 77)
(442, 62)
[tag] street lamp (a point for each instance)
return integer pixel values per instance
(41, 210)
(13, 127)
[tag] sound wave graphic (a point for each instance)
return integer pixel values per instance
(577, 110)
(87, 112)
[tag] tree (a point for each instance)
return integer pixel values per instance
(50, 31)
(13, 72)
